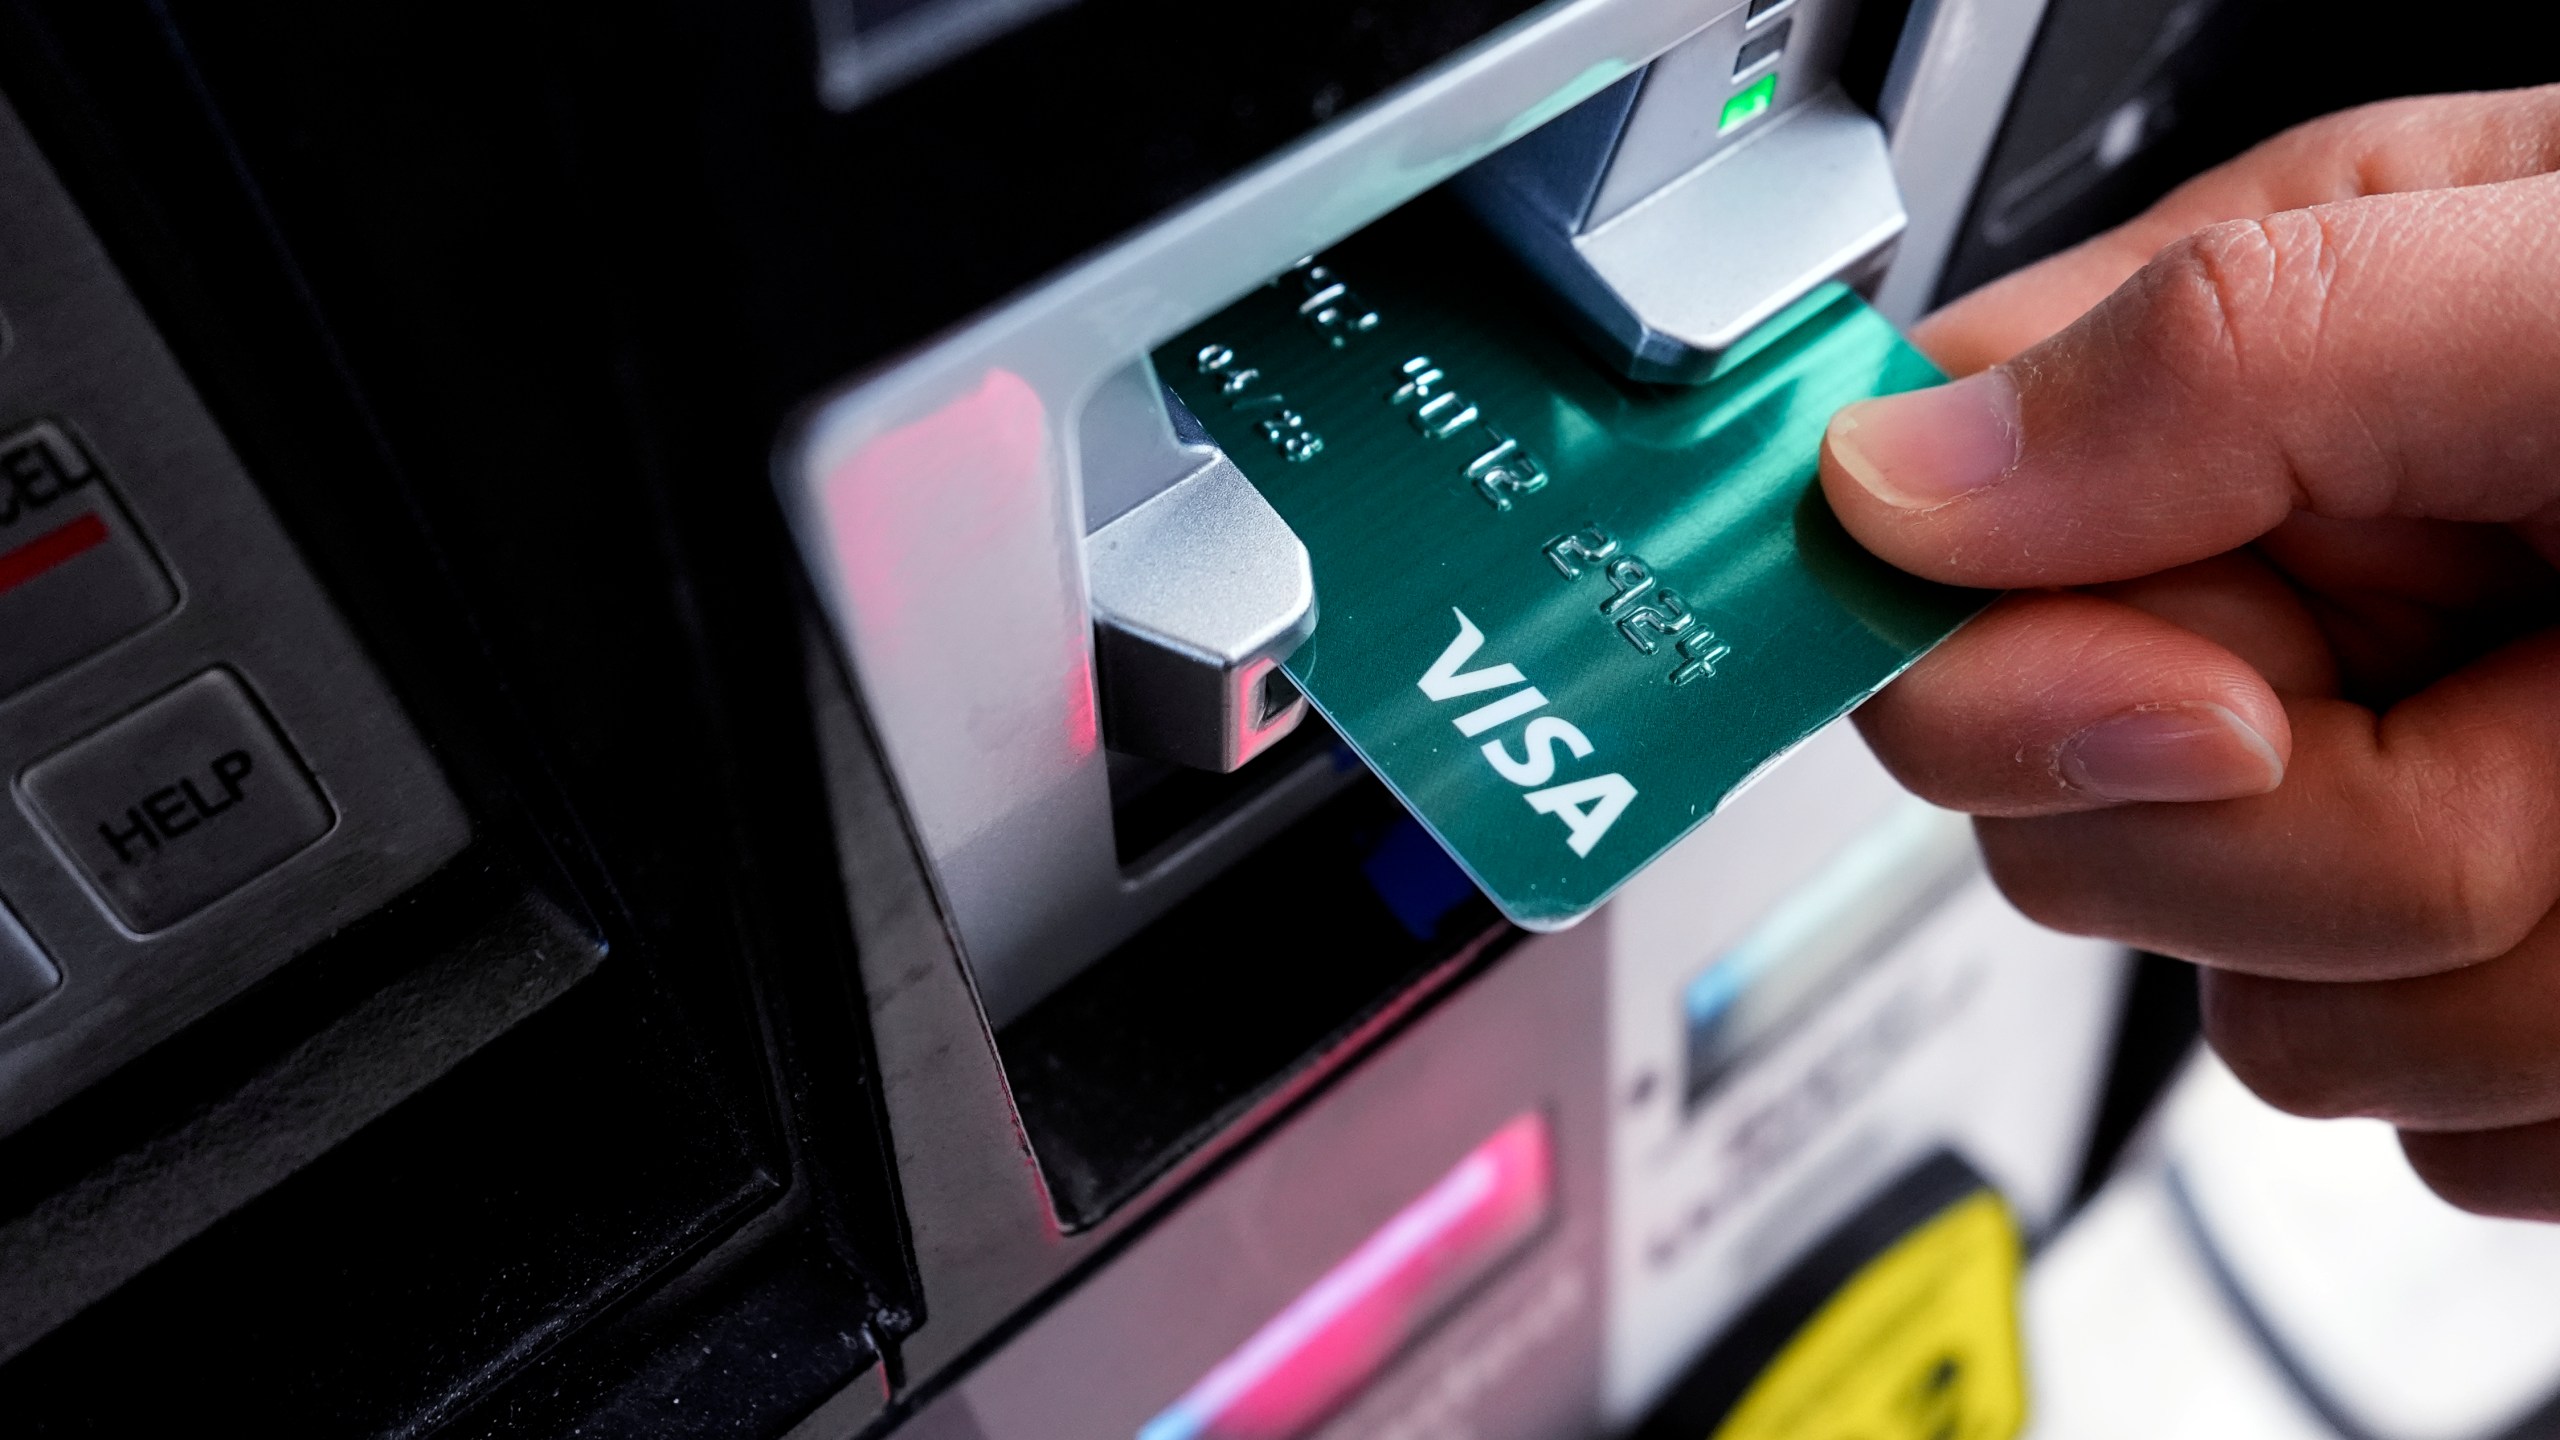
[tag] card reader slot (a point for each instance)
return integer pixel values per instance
(1286, 966)
(1159, 808)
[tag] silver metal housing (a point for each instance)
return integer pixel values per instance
(941, 504)
(1198, 594)
(1674, 284)
(1950, 85)
(1675, 220)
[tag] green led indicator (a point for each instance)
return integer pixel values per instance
(1749, 104)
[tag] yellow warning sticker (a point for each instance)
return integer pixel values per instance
(1921, 1344)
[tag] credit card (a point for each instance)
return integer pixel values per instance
(1563, 615)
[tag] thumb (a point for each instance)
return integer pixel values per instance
(2397, 355)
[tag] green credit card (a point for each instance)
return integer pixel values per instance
(1564, 615)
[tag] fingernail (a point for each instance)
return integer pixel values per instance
(2171, 752)
(1920, 449)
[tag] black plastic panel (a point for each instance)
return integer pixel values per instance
(2190, 83)
(430, 1251)
(503, 305)
(978, 179)
(419, 271)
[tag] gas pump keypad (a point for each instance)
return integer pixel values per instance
(75, 575)
(206, 774)
(179, 803)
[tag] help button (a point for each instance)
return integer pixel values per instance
(179, 803)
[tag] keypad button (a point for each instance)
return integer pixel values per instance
(179, 803)
(26, 976)
(75, 575)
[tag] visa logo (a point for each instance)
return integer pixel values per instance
(1588, 807)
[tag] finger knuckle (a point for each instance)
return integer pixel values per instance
(2202, 294)
(2264, 1030)
(2427, 142)
(2423, 142)
(2238, 302)
(2254, 319)
(2474, 896)
(2383, 145)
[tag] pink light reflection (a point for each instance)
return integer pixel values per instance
(1311, 1357)
(908, 511)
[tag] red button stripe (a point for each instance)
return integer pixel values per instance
(53, 548)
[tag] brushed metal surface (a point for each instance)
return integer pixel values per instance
(1724, 249)
(1198, 592)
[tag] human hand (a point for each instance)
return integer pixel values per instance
(2296, 715)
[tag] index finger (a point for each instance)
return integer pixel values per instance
(2392, 356)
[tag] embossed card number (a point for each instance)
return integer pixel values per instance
(1565, 616)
